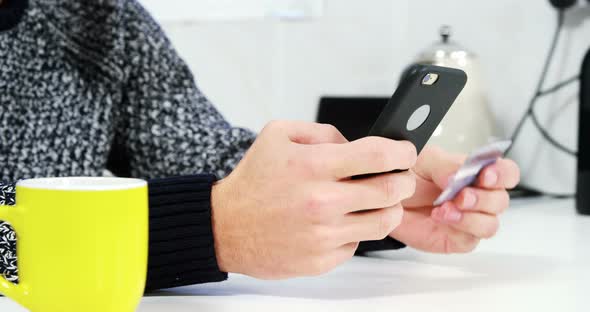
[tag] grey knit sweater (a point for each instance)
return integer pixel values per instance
(95, 84)
(92, 85)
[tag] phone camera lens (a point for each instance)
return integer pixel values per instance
(430, 79)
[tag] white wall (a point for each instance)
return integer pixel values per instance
(262, 69)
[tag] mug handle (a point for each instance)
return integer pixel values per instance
(16, 292)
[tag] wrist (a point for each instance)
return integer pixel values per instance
(223, 252)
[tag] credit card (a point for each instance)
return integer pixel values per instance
(470, 170)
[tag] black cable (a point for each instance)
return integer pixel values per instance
(559, 196)
(558, 86)
(516, 134)
(547, 136)
(544, 132)
(530, 112)
(540, 93)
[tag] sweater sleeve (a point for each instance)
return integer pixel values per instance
(181, 250)
(167, 128)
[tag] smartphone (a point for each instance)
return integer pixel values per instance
(421, 101)
(423, 98)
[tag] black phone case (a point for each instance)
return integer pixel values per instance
(411, 95)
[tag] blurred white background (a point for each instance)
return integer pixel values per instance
(259, 60)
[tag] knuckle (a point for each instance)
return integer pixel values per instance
(314, 207)
(332, 131)
(295, 161)
(410, 153)
(385, 224)
(390, 154)
(377, 154)
(389, 219)
(312, 166)
(391, 191)
(398, 187)
(398, 216)
(273, 125)
(323, 238)
(304, 165)
(410, 184)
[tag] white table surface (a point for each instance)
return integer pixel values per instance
(540, 261)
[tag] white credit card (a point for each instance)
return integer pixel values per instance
(470, 170)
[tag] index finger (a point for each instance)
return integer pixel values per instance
(308, 133)
(365, 156)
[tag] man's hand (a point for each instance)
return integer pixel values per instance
(290, 209)
(457, 226)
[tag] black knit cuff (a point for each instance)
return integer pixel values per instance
(11, 13)
(181, 247)
(386, 244)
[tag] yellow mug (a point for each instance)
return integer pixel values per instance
(82, 244)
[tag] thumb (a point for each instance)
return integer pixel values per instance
(438, 166)
(433, 169)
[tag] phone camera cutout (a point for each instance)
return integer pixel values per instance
(418, 118)
(430, 79)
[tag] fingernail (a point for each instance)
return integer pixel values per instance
(452, 215)
(490, 178)
(469, 200)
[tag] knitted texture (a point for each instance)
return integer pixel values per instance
(92, 85)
